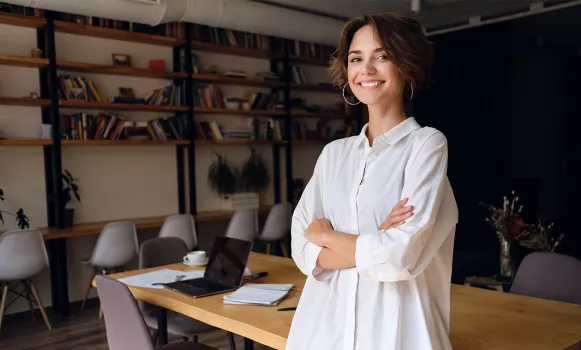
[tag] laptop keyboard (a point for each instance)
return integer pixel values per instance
(207, 285)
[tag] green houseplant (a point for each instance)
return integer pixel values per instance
(21, 219)
(70, 189)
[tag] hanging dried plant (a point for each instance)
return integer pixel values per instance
(222, 177)
(254, 173)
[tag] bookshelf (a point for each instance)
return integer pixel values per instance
(54, 106)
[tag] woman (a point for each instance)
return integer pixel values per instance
(376, 282)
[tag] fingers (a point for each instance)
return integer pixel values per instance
(400, 203)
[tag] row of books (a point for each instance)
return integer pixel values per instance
(202, 33)
(79, 88)
(109, 126)
(229, 37)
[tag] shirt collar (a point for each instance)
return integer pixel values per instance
(394, 135)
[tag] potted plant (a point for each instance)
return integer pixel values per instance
(254, 176)
(21, 219)
(69, 190)
(222, 177)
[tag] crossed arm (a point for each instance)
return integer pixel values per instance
(338, 247)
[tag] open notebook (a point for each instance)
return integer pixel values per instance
(258, 294)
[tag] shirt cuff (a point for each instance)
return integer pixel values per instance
(311, 257)
(363, 252)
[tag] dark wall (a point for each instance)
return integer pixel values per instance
(469, 101)
(507, 97)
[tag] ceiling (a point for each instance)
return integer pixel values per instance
(433, 14)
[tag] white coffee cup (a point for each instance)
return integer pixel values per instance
(195, 257)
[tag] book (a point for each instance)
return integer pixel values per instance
(258, 294)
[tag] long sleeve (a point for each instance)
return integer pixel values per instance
(304, 252)
(404, 252)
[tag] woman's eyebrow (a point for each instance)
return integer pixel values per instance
(379, 49)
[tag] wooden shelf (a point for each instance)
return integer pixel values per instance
(124, 142)
(310, 142)
(95, 228)
(239, 111)
(309, 87)
(115, 34)
(22, 61)
(117, 70)
(120, 106)
(24, 101)
(15, 19)
(307, 60)
(218, 79)
(25, 142)
(235, 142)
(331, 115)
(229, 50)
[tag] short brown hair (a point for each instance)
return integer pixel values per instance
(403, 39)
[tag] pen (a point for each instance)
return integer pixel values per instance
(287, 309)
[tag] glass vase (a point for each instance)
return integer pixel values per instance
(506, 264)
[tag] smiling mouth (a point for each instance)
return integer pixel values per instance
(371, 84)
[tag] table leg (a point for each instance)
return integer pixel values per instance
(57, 252)
(162, 326)
(248, 344)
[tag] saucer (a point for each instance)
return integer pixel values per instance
(197, 263)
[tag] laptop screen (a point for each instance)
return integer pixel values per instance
(228, 260)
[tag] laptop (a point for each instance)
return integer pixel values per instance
(224, 270)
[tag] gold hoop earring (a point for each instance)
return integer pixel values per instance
(352, 104)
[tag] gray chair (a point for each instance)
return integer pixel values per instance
(277, 226)
(116, 246)
(243, 225)
(161, 251)
(181, 226)
(550, 276)
(123, 322)
(22, 256)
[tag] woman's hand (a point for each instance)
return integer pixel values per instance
(398, 215)
(317, 230)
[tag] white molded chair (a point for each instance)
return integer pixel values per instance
(22, 256)
(277, 226)
(243, 225)
(181, 226)
(116, 246)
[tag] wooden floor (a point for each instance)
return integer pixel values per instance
(80, 331)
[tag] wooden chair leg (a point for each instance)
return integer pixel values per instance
(268, 248)
(3, 303)
(283, 248)
(42, 311)
(89, 287)
(29, 298)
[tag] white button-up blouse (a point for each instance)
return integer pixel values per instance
(397, 297)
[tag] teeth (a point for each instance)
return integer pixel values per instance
(375, 83)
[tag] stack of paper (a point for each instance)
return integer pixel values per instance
(258, 294)
(154, 279)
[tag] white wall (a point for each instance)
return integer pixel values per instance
(118, 182)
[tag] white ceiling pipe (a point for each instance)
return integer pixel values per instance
(240, 15)
(264, 19)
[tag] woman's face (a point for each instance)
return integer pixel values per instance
(373, 78)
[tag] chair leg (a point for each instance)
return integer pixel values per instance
(89, 287)
(42, 311)
(283, 247)
(3, 303)
(195, 339)
(29, 298)
(268, 248)
(231, 341)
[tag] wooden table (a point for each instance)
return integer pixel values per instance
(57, 246)
(480, 319)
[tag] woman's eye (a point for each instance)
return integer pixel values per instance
(355, 59)
(382, 57)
